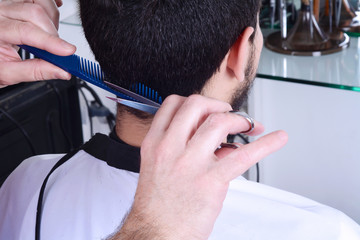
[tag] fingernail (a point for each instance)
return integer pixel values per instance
(63, 75)
(67, 45)
(283, 135)
(59, 3)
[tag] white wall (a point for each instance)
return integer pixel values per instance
(322, 158)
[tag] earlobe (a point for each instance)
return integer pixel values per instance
(239, 54)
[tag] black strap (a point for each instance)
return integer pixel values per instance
(42, 190)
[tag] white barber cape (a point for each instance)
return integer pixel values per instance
(88, 196)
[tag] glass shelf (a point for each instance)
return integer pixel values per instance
(73, 20)
(338, 70)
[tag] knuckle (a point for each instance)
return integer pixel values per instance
(195, 99)
(216, 119)
(4, 80)
(37, 71)
(161, 149)
(23, 29)
(195, 102)
(157, 153)
(228, 106)
(51, 10)
(50, 38)
(161, 152)
(36, 11)
(172, 99)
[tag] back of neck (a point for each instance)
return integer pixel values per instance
(131, 129)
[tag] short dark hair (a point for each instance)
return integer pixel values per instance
(171, 46)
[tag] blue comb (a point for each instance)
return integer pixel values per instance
(139, 96)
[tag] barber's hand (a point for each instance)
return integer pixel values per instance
(34, 23)
(184, 178)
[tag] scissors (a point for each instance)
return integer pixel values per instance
(141, 103)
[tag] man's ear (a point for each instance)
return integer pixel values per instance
(239, 54)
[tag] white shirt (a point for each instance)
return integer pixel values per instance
(86, 198)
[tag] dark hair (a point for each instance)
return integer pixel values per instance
(171, 46)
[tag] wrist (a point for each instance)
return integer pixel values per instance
(146, 224)
(137, 226)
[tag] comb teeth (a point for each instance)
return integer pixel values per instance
(91, 69)
(146, 92)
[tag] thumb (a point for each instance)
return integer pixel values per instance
(31, 70)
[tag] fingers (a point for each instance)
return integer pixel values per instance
(159, 126)
(59, 3)
(258, 129)
(176, 121)
(18, 32)
(32, 24)
(49, 6)
(195, 124)
(51, 9)
(191, 115)
(216, 128)
(29, 22)
(28, 12)
(31, 70)
(239, 160)
(165, 115)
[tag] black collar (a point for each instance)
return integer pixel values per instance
(114, 152)
(111, 149)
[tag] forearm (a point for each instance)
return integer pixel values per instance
(138, 227)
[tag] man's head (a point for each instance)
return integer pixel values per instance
(175, 46)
